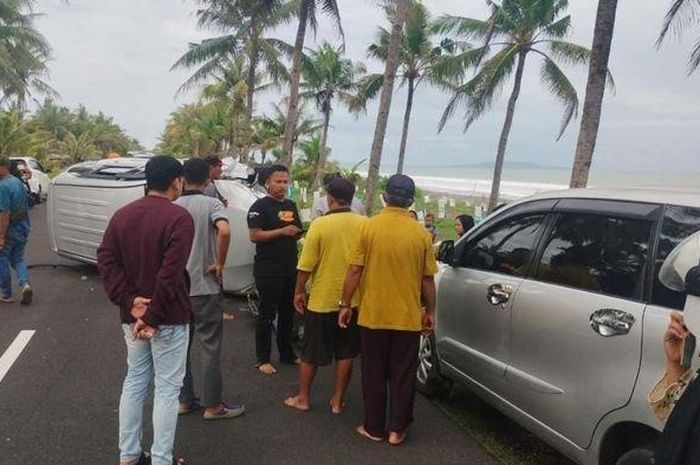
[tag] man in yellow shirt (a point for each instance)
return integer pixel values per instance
(393, 265)
(324, 260)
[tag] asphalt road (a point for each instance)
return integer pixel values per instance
(59, 401)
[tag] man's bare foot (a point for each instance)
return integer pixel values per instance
(267, 368)
(337, 408)
(396, 439)
(295, 402)
(363, 432)
(229, 316)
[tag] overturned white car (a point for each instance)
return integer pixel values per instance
(84, 197)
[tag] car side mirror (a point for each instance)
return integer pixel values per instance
(446, 252)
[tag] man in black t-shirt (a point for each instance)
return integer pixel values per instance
(275, 227)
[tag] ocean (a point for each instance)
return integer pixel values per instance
(470, 181)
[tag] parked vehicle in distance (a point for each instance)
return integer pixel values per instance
(552, 311)
(85, 196)
(39, 178)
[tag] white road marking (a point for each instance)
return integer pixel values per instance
(14, 351)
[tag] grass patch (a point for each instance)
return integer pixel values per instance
(507, 441)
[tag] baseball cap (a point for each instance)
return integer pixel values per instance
(341, 189)
(401, 186)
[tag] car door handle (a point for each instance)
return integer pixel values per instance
(498, 294)
(610, 322)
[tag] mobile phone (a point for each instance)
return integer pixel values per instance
(688, 351)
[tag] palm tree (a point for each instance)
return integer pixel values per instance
(682, 14)
(518, 28)
(79, 148)
(19, 136)
(230, 89)
(24, 54)
(327, 76)
(418, 60)
(307, 17)
(245, 23)
(595, 91)
(391, 67)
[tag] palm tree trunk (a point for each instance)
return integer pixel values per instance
(595, 91)
(392, 64)
(323, 156)
(505, 132)
(250, 83)
(294, 79)
(406, 122)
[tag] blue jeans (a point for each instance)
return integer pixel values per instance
(164, 355)
(13, 255)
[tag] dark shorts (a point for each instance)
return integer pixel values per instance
(325, 341)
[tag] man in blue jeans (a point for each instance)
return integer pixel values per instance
(142, 263)
(14, 233)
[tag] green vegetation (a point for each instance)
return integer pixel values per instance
(61, 136)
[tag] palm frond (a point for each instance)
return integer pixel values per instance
(681, 14)
(559, 85)
(462, 27)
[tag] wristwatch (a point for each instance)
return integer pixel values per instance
(341, 304)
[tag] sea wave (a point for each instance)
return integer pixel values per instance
(482, 187)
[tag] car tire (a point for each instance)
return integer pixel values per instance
(428, 378)
(639, 456)
(40, 195)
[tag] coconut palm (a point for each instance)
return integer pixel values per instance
(595, 91)
(327, 77)
(307, 18)
(419, 57)
(391, 67)
(230, 89)
(195, 130)
(517, 29)
(245, 24)
(24, 54)
(79, 148)
(681, 15)
(20, 136)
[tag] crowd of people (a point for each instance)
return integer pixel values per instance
(364, 286)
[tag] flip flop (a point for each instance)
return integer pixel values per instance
(363, 432)
(293, 402)
(402, 439)
(338, 412)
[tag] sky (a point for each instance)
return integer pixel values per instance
(115, 56)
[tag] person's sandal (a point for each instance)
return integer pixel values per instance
(227, 412)
(194, 407)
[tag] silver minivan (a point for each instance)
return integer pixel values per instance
(552, 311)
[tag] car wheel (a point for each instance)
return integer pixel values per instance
(639, 456)
(429, 380)
(40, 194)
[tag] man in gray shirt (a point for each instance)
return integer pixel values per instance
(215, 171)
(205, 267)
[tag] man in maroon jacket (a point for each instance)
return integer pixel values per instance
(142, 263)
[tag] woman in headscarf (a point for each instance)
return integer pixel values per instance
(676, 397)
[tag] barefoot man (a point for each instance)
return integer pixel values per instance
(324, 260)
(275, 228)
(393, 264)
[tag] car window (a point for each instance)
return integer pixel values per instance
(507, 247)
(34, 165)
(597, 253)
(679, 223)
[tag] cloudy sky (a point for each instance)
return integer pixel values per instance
(115, 56)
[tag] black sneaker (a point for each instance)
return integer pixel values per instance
(27, 295)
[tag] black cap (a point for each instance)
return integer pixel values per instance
(401, 186)
(341, 189)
